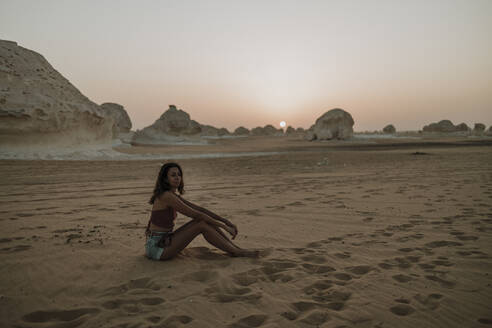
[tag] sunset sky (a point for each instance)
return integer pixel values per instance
(230, 63)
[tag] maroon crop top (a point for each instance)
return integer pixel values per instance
(163, 218)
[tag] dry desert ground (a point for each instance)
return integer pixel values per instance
(371, 234)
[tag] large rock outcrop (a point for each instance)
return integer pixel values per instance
(241, 131)
(211, 131)
(446, 126)
(39, 107)
(122, 122)
(174, 125)
(488, 132)
(334, 124)
(292, 132)
(389, 129)
(478, 129)
(267, 130)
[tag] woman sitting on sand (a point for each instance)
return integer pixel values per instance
(162, 242)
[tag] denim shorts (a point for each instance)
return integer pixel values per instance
(156, 242)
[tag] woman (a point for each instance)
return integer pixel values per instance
(162, 242)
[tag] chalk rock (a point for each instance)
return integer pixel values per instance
(447, 127)
(478, 129)
(334, 124)
(489, 131)
(122, 122)
(241, 131)
(462, 127)
(441, 126)
(389, 129)
(290, 131)
(208, 130)
(267, 130)
(174, 125)
(39, 107)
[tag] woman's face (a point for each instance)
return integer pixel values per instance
(174, 177)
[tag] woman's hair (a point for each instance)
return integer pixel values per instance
(162, 185)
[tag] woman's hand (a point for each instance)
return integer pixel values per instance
(231, 229)
(230, 224)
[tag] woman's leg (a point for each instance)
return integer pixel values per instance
(185, 234)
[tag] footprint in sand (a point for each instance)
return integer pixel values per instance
(132, 305)
(201, 276)
(402, 278)
(344, 255)
(343, 276)
(400, 262)
(296, 203)
(314, 259)
(402, 309)
(442, 262)
(134, 284)
(485, 321)
(334, 300)
(316, 318)
(255, 320)
(465, 238)
(247, 278)
(175, 320)
(63, 318)
(402, 300)
(430, 301)
(312, 268)
(15, 249)
(360, 269)
(442, 243)
(315, 244)
(318, 286)
(276, 265)
(444, 283)
(231, 294)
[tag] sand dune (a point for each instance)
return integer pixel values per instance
(354, 237)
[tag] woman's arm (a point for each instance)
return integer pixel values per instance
(176, 203)
(204, 210)
(211, 214)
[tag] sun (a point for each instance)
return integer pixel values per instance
(282, 124)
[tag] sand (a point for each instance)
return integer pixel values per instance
(357, 235)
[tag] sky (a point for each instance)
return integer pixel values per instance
(250, 63)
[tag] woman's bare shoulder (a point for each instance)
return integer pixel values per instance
(164, 200)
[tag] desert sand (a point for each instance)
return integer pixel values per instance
(372, 234)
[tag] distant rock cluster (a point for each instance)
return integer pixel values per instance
(445, 126)
(38, 106)
(175, 125)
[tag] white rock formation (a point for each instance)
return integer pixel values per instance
(446, 126)
(175, 125)
(122, 122)
(267, 130)
(241, 131)
(290, 131)
(211, 131)
(488, 132)
(334, 124)
(478, 129)
(40, 108)
(389, 129)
